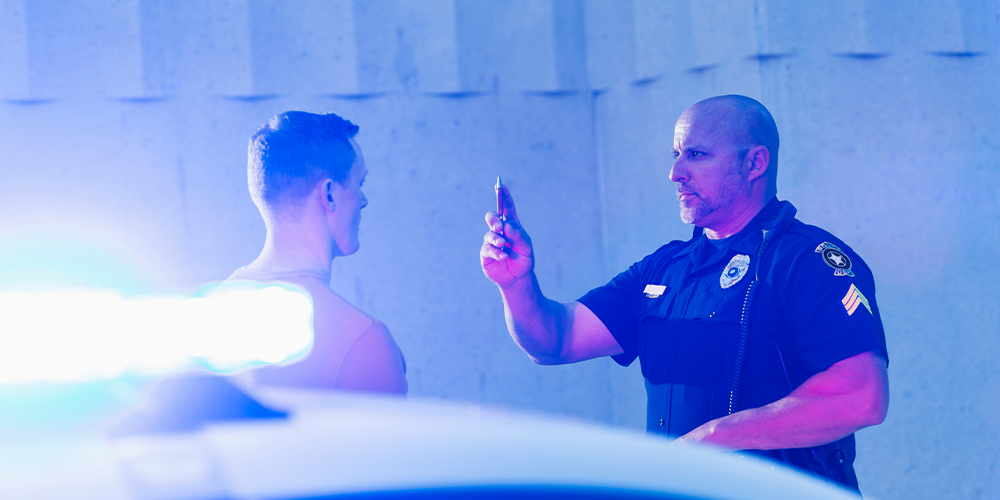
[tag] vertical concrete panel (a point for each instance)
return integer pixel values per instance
(570, 42)
(522, 45)
(850, 25)
(380, 68)
(84, 48)
(725, 47)
(305, 47)
(531, 63)
(196, 47)
(921, 26)
(411, 46)
(664, 45)
(14, 81)
(611, 42)
(228, 63)
(162, 37)
(722, 30)
(789, 27)
(980, 26)
(509, 45)
(427, 37)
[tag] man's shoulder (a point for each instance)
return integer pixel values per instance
(807, 237)
(329, 308)
(818, 249)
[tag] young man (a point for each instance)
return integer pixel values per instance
(305, 173)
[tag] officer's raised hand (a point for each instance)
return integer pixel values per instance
(506, 255)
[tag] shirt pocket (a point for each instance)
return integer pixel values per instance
(656, 307)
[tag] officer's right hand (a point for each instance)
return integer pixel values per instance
(506, 266)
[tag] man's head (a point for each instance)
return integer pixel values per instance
(726, 159)
(300, 164)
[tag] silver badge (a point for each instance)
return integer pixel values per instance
(734, 271)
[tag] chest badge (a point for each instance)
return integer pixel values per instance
(835, 258)
(734, 271)
(654, 291)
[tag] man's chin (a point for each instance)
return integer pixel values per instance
(688, 215)
(694, 216)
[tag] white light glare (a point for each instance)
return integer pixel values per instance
(78, 335)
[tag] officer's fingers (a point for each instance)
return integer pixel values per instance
(489, 253)
(493, 221)
(492, 238)
(508, 206)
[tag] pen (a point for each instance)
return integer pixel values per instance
(501, 208)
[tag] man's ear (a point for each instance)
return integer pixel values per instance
(759, 158)
(329, 197)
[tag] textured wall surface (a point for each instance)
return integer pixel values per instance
(123, 127)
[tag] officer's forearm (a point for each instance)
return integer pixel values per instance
(849, 396)
(536, 323)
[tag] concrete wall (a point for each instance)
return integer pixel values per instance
(123, 127)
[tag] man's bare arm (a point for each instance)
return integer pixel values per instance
(549, 332)
(849, 396)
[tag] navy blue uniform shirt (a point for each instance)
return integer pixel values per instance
(678, 310)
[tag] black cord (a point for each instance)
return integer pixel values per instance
(741, 350)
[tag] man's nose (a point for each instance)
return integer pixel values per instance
(678, 171)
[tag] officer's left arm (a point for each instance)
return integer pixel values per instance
(848, 396)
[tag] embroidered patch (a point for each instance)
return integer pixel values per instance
(734, 271)
(854, 298)
(835, 258)
(654, 291)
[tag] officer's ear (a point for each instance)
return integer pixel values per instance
(759, 158)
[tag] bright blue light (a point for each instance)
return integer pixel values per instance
(73, 335)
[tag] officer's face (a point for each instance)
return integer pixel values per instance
(711, 180)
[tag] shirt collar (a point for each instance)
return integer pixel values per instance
(748, 240)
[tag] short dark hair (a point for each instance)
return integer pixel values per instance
(293, 151)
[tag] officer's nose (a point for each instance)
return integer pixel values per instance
(678, 171)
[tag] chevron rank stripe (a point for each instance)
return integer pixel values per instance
(853, 299)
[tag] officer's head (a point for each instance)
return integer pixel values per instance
(726, 158)
(304, 165)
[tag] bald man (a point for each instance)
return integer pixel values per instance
(759, 333)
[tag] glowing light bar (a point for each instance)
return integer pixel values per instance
(78, 335)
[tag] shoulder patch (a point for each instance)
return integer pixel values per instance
(853, 299)
(835, 258)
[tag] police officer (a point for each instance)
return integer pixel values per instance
(759, 333)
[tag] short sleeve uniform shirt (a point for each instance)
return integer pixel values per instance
(679, 309)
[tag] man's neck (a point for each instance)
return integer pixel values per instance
(736, 221)
(294, 247)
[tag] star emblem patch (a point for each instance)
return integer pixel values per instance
(835, 258)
